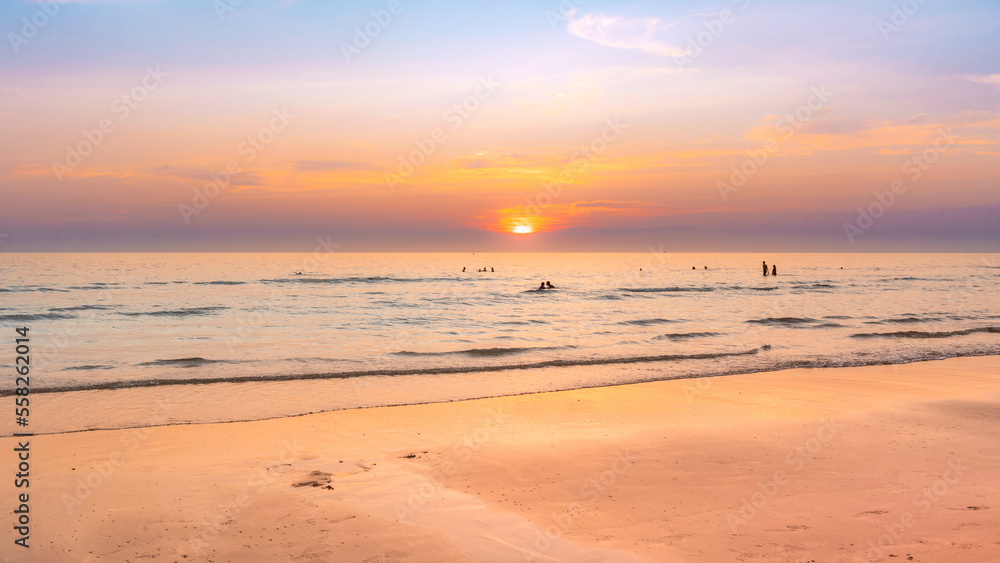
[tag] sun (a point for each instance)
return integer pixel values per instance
(522, 229)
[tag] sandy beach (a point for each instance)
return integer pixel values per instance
(844, 464)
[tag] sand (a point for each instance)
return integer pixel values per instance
(848, 464)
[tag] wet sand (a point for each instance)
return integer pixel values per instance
(848, 464)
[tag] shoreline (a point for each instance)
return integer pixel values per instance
(160, 398)
(654, 471)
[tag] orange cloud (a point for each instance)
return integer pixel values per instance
(823, 134)
(31, 170)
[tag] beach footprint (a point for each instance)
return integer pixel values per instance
(316, 479)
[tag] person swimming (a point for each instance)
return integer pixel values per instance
(765, 268)
(774, 270)
(541, 287)
(548, 285)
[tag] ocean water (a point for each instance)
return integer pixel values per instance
(222, 337)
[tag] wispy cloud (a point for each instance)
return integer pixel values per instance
(330, 165)
(239, 179)
(624, 33)
(607, 204)
(986, 79)
(484, 160)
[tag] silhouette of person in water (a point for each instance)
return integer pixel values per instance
(491, 269)
(765, 267)
(706, 267)
(548, 285)
(541, 287)
(463, 269)
(774, 270)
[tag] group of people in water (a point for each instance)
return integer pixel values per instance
(544, 284)
(548, 285)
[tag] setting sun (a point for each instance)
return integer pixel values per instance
(522, 229)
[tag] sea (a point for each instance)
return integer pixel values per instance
(122, 340)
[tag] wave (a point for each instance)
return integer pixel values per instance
(385, 372)
(82, 308)
(783, 321)
(666, 289)
(484, 352)
(177, 312)
(182, 362)
(814, 286)
(62, 290)
(905, 320)
(220, 283)
(359, 279)
(678, 289)
(527, 322)
(87, 368)
(686, 335)
(909, 278)
(35, 317)
(922, 334)
(648, 322)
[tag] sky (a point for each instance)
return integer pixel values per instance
(434, 125)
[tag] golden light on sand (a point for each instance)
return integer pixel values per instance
(522, 229)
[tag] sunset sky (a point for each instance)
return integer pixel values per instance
(442, 125)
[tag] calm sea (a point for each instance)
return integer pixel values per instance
(220, 337)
